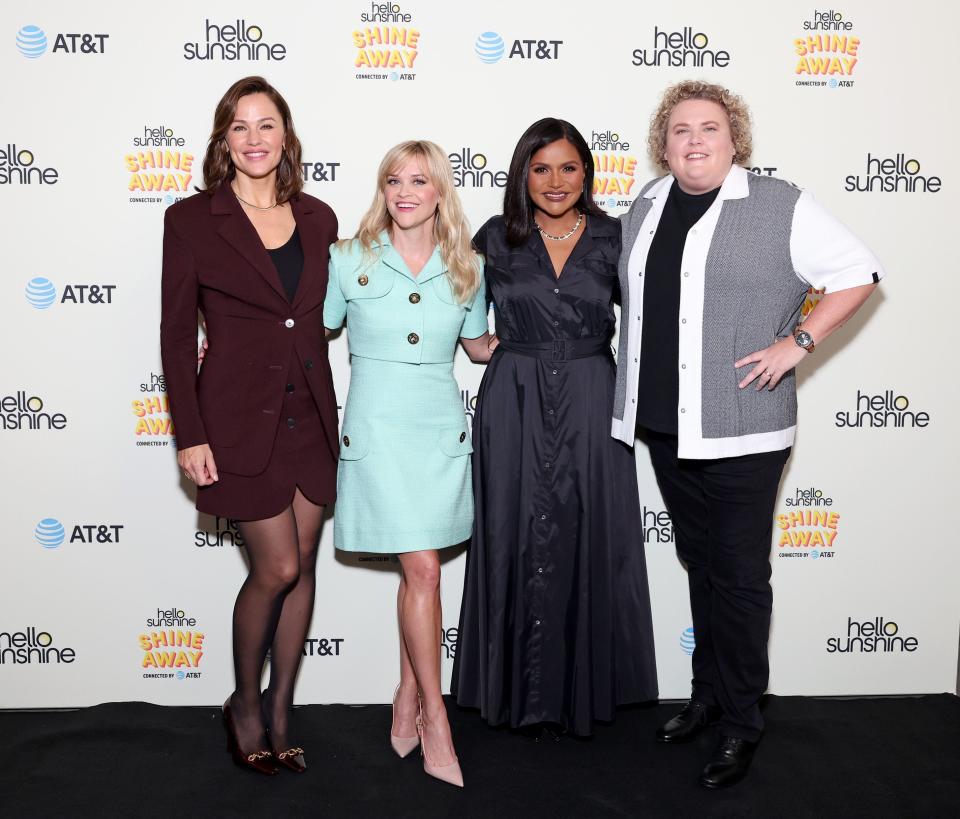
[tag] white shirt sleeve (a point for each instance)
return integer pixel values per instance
(825, 253)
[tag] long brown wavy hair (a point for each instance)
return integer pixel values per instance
(218, 167)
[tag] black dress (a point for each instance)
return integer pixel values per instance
(555, 622)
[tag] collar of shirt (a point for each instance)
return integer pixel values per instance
(392, 259)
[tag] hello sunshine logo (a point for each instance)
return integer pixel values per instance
(172, 646)
(159, 169)
(614, 168)
(827, 55)
(386, 45)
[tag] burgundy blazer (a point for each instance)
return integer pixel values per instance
(214, 260)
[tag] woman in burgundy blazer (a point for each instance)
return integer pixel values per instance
(257, 427)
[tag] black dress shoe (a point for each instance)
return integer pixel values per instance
(694, 717)
(729, 764)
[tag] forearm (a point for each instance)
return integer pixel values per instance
(478, 349)
(834, 310)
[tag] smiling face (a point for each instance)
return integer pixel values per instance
(699, 148)
(411, 196)
(255, 137)
(555, 178)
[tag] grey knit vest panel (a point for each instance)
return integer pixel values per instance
(630, 224)
(752, 296)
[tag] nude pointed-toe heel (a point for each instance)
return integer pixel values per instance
(403, 746)
(449, 773)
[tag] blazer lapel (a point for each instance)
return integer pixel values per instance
(238, 231)
(313, 250)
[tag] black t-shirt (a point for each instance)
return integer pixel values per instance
(288, 259)
(659, 388)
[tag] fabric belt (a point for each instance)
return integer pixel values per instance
(561, 349)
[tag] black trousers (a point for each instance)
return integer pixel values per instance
(722, 512)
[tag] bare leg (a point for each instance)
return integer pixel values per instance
(420, 623)
(286, 651)
(272, 550)
(406, 702)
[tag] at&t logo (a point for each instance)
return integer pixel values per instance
(320, 171)
(687, 641)
(322, 646)
(32, 42)
(892, 175)
(470, 170)
(685, 48)
(490, 48)
(237, 40)
(50, 533)
(883, 410)
(17, 168)
(41, 293)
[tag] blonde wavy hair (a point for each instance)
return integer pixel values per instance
(738, 115)
(451, 231)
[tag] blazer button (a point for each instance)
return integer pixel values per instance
(288, 323)
(289, 387)
(308, 363)
(414, 298)
(291, 423)
(463, 437)
(363, 280)
(346, 440)
(413, 338)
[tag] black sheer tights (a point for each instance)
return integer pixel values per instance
(273, 611)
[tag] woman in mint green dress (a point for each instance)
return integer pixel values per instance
(409, 286)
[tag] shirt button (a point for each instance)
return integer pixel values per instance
(540, 570)
(546, 464)
(463, 437)
(549, 412)
(414, 298)
(346, 440)
(683, 366)
(291, 423)
(683, 321)
(553, 371)
(363, 280)
(536, 622)
(633, 400)
(288, 323)
(413, 338)
(686, 272)
(556, 323)
(682, 409)
(289, 387)
(635, 361)
(556, 289)
(543, 517)
(308, 364)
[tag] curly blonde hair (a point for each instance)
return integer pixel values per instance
(451, 231)
(738, 115)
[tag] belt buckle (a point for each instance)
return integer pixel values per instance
(560, 350)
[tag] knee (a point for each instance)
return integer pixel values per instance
(279, 575)
(423, 575)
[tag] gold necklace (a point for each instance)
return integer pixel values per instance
(250, 205)
(566, 235)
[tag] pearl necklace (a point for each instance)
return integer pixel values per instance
(566, 235)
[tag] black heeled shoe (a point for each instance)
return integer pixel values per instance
(259, 761)
(292, 758)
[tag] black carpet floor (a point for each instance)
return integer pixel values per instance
(820, 758)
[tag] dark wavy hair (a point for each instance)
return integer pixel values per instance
(218, 166)
(517, 206)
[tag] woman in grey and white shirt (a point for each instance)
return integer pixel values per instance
(715, 266)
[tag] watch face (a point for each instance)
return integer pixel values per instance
(804, 339)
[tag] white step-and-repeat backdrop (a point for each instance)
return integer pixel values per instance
(113, 588)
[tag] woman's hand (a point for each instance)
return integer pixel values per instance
(481, 348)
(198, 465)
(772, 363)
(202, 351)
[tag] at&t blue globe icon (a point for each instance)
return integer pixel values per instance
(489, 47)
(687, 643)
(49, 533)
(41, 293)
(31, 41)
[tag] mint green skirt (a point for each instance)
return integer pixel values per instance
(403, 483)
